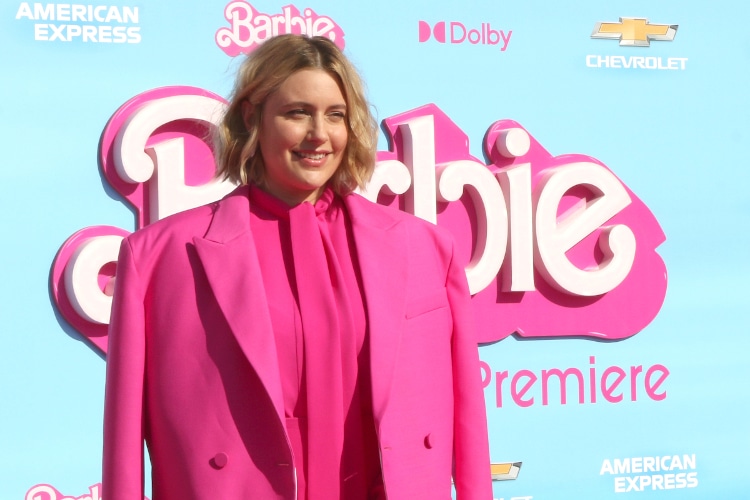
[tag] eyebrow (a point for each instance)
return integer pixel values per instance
(305, 104)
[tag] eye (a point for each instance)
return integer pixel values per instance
(337, 116)
(297, 113)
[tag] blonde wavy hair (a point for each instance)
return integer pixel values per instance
(238, 157)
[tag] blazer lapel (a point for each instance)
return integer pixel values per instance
(379, 236)
(230, 261)
(229, 258)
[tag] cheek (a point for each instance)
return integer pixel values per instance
(340, 139)
(279, 135)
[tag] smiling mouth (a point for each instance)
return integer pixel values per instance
(311, 156)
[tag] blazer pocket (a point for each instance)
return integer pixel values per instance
(431, 301)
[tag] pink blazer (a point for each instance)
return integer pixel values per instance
(192, 365)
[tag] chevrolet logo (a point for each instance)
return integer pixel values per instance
(635, 31)
(505, 471)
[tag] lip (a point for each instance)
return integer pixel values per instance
(312, 158)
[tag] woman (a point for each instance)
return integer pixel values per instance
(294, 340)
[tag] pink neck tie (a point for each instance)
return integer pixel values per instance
(322, 352)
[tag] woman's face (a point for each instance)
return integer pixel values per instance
(302, 135)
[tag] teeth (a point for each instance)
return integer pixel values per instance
(312, 156)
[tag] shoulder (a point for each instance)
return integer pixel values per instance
(386, 214)
(420, 232)
(172, 230)
(183, 226)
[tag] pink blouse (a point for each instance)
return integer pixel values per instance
(314, 293)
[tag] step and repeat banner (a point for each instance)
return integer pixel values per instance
(589, 158)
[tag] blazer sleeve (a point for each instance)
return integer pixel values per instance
(472, 475)
(122, 465)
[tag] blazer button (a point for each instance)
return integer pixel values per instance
(428, 441)
(220, 460)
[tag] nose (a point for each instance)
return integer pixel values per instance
(316, 131)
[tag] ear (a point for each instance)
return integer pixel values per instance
(247, 114)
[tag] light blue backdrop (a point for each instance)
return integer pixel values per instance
(677, 138)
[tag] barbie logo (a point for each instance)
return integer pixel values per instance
(47, 492)
(249, 28)
(556, 245)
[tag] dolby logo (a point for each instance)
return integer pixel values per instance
(458, 33)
